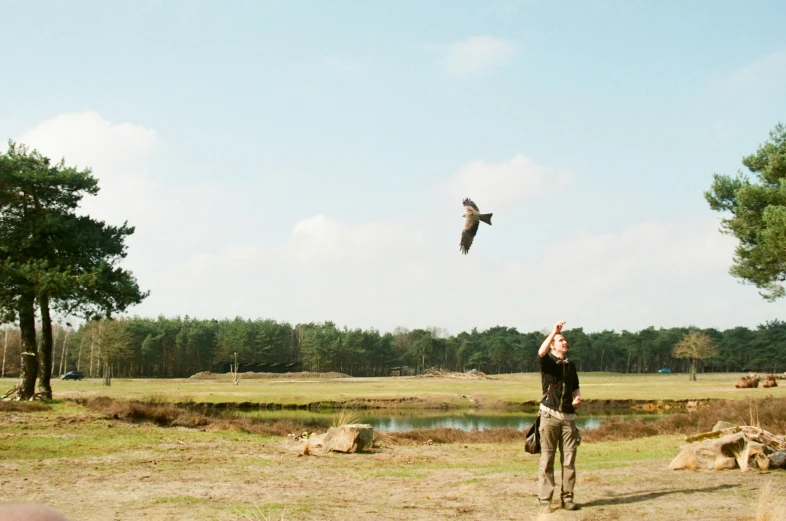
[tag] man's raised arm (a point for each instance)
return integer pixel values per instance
(544, 347)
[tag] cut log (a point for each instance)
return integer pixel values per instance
(713, 434)
(778, 459)
(755, 456)
(725, 463)
(710, 454)
(349, 438)
(764, 437)
(312, 444)
(722, 425)
(745, 447)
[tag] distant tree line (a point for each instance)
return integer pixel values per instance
(180, 347)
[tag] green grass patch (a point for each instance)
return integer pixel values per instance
(411, 391)
(180, 500)
(267, 511)
(399, 473)
(620, 453)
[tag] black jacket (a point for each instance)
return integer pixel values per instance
(554, 371)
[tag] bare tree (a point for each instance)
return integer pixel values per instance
(109, 343)
(64, 352)
(233, 370)
(695, 346)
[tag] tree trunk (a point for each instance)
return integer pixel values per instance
(25, 388)
(5, 346)
(107, 374)
(79, 355)
(92, 349)
(45, 379)
(63, 353)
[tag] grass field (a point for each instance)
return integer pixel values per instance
(497, 392)
(90, 465)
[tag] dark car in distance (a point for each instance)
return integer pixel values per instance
(665, 370)
(72, 375)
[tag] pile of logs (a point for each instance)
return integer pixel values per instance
(729, 446)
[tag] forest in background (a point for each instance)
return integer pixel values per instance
(180, 347)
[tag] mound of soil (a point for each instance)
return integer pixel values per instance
(207, 375)
(474, 374)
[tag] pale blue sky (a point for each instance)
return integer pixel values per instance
(306, 160)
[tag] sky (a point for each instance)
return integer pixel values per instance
(305, 161)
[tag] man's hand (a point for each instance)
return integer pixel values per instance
(544, 347)
(558, 327)
(577, 401)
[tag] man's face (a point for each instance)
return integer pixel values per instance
(560, 346)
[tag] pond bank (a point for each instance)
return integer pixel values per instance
(418, 403)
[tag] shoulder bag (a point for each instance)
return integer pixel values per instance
(532, 442)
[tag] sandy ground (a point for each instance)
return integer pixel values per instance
(96, 468)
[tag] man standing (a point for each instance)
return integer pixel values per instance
(561, 396)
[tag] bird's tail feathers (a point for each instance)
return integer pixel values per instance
(486, 218)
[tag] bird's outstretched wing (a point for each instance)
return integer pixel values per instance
(468, 202)
(467, 235)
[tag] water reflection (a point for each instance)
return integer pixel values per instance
(407, 420)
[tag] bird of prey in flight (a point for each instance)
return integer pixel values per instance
(473, 218)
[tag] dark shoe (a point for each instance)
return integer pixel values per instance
(545, 508)
(569, 505)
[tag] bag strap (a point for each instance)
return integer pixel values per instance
(549, 390)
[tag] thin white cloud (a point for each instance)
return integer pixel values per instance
(320, 240)
(477, 54)
(765, 72)
(87, 139)
(517, 179)
(119, 155)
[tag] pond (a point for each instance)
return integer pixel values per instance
(402, 420)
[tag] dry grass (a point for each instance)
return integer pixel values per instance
(448, 435)
(208, 474)
(384, 439)
(769, 508)
(346, 417)
(769, 416)
(171, 415)
(17, 406)
(258, 515)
